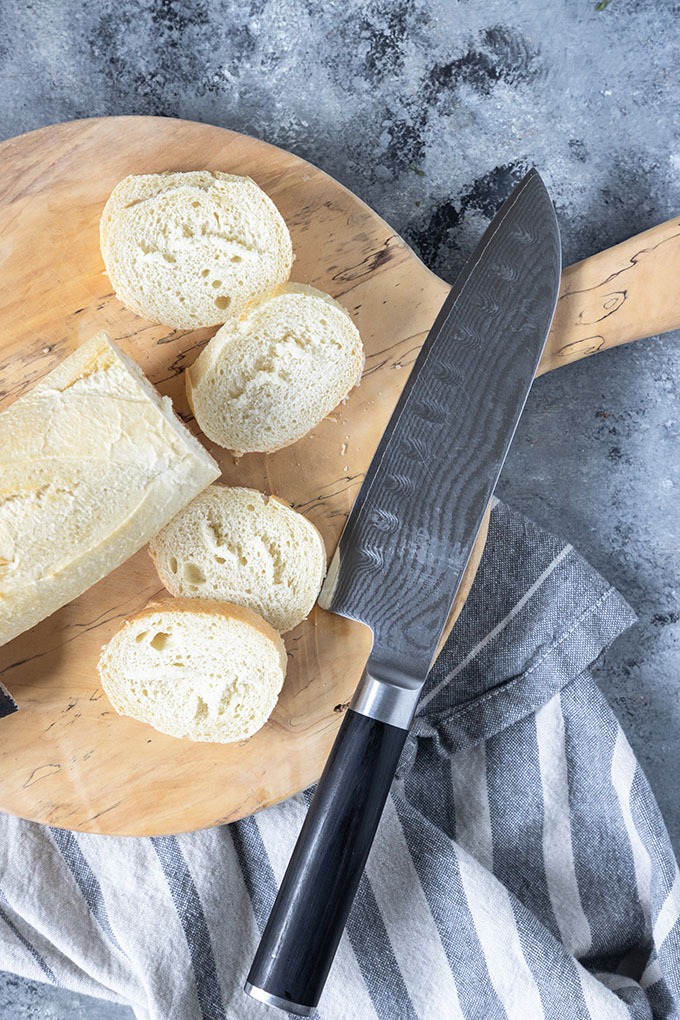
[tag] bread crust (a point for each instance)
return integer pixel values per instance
(229, 386)
(190, 686)
(212, 607)
(284, 554)
(191, 249)
(59, 534)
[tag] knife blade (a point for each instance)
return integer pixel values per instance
(400, 560)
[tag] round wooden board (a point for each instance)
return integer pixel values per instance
(66, 758)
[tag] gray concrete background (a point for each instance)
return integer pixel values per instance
(430, 111)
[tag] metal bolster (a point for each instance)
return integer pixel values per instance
(386, 702)
(276, 1000)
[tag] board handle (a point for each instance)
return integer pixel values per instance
(313, 903)
(625, 293)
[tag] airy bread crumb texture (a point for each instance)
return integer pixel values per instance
(241, 546)
(192, 249)
(195, 669)
(266, 379)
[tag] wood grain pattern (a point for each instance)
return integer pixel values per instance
(622, 294)
(66, 758)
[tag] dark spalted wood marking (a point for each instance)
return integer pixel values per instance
(370, 264)
(629, 291)
(582, 348)
(605, 306)
(42, 772)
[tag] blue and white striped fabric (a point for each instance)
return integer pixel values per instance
(521, 869)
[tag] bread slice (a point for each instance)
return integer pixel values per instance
(239, 545)
(266, 379)
(192, 249)
(93, 462)
(195, 668)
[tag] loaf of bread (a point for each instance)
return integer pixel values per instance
(93, 461)
(241, 546)
(192, 249)
(195, 668)
(267, 378)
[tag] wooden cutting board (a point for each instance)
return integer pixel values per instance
(66, 758)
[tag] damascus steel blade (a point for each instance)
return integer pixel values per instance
(402, 555)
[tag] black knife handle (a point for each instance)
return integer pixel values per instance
(298, 945)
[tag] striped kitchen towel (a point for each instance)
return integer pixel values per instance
(521, 869)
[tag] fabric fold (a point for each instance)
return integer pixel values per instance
(521, 868)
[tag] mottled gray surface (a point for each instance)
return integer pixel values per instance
(430, 110)
(31, 1000)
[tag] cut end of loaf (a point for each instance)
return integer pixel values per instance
(63, 524)
(195, 669)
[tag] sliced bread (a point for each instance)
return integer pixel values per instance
(191, 249)
(93, 462)
(196, 669)
(267, 378)
(239, 545)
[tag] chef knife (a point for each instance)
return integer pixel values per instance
(400, 561)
